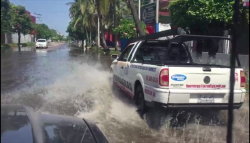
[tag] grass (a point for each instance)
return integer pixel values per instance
(30, 44)
(15, 45)
(115, 52)
(5, 46)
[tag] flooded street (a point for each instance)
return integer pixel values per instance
(65, 81)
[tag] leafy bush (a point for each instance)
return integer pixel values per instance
(127, 29)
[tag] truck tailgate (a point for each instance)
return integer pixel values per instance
(194, 85)
(197, 78)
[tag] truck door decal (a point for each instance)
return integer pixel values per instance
(123, 82)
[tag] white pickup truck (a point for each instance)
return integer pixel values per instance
(162, 73)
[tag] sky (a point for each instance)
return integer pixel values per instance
(55, 13)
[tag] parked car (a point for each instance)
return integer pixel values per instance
(41, 43)
(21, 124)
(163, 73)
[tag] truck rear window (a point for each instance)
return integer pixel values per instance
(157, 53)
(41, 40)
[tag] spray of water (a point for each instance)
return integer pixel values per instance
(86, 92)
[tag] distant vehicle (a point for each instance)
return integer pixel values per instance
(163, 73)
(20, 124)
(41, 43)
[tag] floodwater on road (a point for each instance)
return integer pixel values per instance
(68, 82)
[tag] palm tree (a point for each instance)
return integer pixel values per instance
(102, 7)
(82, 16)
(136, 18)
(86, 13)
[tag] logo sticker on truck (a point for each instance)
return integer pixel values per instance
(215, 86)
(177, 85)
(178, 77)
(144, 68)
(151, 79)
(149, 92)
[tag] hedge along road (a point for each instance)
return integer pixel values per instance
(62, 80)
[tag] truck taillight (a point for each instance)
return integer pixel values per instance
(164, 77)
(242, 79)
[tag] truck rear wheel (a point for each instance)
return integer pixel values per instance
(140, 102)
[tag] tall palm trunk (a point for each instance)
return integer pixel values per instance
(136, 18)
(101, 25)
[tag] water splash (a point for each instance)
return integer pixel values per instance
(86, 92)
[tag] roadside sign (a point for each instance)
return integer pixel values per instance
(148, 13)
(245, 3)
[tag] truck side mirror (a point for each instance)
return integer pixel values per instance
(114, 56)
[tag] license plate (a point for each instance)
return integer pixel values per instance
(205, 98)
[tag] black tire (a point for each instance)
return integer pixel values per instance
(140, 101)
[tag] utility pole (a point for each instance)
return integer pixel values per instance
(98, 33)
(139, 9)
(139, 14)
(157, 17)
(115, 23)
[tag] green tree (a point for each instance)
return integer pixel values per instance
(43, 31)
(53, 33)
(21, 22)
(83, 16)
(5, 16)
(202, 16)
(76, 33)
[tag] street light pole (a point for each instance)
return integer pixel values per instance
(157, 16)
(139, 9)
(139, 13)
(98, 33)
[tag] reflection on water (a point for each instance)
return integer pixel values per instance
(41, 51)
(15, 127)
(67, 81)
(24, 49)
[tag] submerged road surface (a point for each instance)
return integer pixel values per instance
(63, 80)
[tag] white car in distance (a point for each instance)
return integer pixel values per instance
(41, 43)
